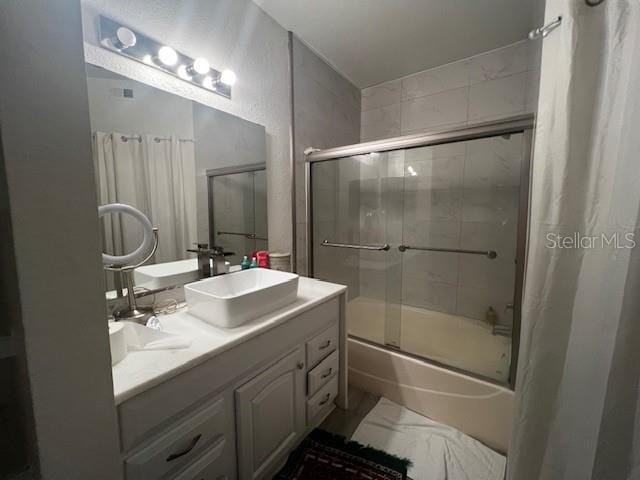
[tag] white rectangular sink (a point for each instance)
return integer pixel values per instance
(230, 300)
(168, 274)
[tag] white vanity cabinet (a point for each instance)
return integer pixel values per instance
(238, 414)
(270, 414)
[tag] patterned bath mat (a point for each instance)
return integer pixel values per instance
(326, 456)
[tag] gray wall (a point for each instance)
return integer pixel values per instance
(15, 422)
(52, 197)
(150, 111)
(326, 114)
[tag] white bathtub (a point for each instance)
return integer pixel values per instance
(452, 340)
(479, 408)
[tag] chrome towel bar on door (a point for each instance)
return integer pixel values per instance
(487, 253)
(250, 236)
(327, 243)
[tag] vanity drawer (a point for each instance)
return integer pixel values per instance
(322, 373)
(179, 445)
(212, 465)
(322, 345)
(321, 401)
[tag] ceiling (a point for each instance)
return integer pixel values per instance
(372, 41)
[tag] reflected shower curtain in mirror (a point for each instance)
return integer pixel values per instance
(170, 165)
(158, 178)
(577, 394)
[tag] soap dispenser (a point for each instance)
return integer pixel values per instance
(244, 265)
(254, 263)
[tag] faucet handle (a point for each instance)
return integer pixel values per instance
(217, 250)
(203, 246)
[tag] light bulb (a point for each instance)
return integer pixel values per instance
(184, 73)
(228, 77)
(200, 66)
(209, 83)
(168, 56)
(124, 38)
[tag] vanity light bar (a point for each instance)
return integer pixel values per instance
(132, 44)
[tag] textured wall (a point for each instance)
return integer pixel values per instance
(56, 241)
(495, 84)
(230, 33)
(326, 114)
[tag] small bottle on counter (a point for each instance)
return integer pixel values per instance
(254, 263)
(244, 265)
(263, 259)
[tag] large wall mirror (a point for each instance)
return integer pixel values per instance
(198, 173)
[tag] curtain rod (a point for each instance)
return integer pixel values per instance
(138, 138)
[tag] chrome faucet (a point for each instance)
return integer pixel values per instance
(210, 260)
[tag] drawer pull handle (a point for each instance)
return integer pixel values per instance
(329, 372)
(191, 446)
(325, 399)
(326, 344)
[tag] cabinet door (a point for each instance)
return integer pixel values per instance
(271, 415)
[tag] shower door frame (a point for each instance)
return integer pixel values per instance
(519, 124)
(211, 174)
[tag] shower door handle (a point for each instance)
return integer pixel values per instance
(487, 253)
(385, 247)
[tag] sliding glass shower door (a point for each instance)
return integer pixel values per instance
(356, 218)
(427, 240)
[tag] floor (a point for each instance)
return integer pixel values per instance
(345, 422)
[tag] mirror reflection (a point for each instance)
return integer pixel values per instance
(238, 202)
(197, 173)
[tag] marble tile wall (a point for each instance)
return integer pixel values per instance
(462, 196)
(459, 196)
(488, 86)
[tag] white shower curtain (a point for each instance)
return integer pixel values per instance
(158, 178)
(577, 394)
(121, 177)
(172, 193)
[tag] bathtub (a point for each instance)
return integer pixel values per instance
(455, 341)
(478, 408)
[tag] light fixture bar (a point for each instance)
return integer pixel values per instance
(129, 43)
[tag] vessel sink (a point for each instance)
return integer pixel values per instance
(230, 300)
(163, 275)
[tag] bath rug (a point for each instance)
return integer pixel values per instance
(437, 451)
(327, 456)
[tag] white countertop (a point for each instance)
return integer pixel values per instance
(142, 370)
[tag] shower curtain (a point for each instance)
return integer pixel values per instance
(577, 393)
(158, 178)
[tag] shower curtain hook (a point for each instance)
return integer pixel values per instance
(545, 29)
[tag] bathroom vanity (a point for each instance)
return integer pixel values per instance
(237, 401)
